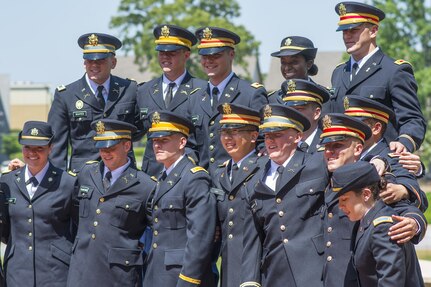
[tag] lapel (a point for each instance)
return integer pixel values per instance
(96, 175)
(261, 187)
(366, 222)
(206, 102)
(224, 178)
(182, 93)
(128, 178)
(248, 167)
(172, 179)
(86, 95)
(372, 65)
(50, 178)
(294, 166)
(345, 76)
(20, 182)
(314, 146)
(156, 93)
(231, 91)
(115, 90)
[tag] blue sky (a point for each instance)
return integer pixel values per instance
(39, 37)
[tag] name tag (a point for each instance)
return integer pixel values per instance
(80, 114)
(195, 119)
(83, 190)
(144, 112)
(11, 200)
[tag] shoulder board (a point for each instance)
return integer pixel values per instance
(256, 85)
(91, 161)
(340, 64)
(198, 168)
(393, 155)
(224, 164)
(6, 171)
(401, 61)
(141, 83)
(61, 88)
(154, 178)
(191, 159)
(322, 148)
(131, 79)
(71, 173)
(271, 93)
(382, 219)
(195, 90)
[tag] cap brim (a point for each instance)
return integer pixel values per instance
(106, 144)
(160, 134)
(232, 126)
(331, 139)
(286, 52)
(272, 129)
(348, 26)
(34, 142)
(211, 51)
(96, 56)
(296, 103)
(169, 48)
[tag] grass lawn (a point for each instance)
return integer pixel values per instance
(428, 211)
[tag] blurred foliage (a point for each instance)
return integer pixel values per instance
(136, 20)
(10, 145)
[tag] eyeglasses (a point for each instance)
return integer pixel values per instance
(232, 132)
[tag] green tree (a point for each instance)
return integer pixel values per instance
(10, 145)
(137, 19)
(405, 33)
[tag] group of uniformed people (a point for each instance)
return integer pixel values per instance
(305, 186)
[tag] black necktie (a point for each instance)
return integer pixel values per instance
(355, 67)
(234, 172)
(169, 94)
(215, 93)
(107, 180)
(100, 98)
(32, 180)
(280, 170)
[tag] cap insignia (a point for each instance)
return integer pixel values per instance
(288, 42)
(93, 40)
(291, 86)
(267, 111)
(34, 132)
(327, 122)
(165, 31)
(207, 33)
(346, 103)
(156, 118)
(227, 109)
(342, 9)
(100, 127)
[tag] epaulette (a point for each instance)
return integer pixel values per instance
(393, 155)
(256, 85)
(141, 83)
(401, 61)
(342, 63)
(382, 219)
(271, 93)
(195, 90)
(71, 173)
(154, 178)
(131, 79)
(321, 148)
(61, 88)
(197, 168)
(191, 159)
(91, 161)
(224, 164)
(6, 171)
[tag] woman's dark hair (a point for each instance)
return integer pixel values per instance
(375, 188)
